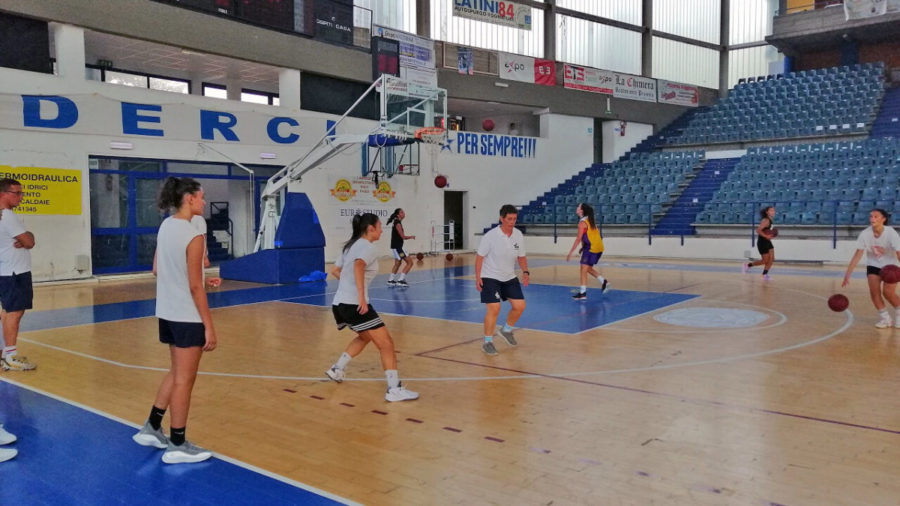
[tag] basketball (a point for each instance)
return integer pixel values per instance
(838, 302)
(449, 256)
(890, 274)
(774, 232)
(440, 181)
(419, 256)
(487, 125)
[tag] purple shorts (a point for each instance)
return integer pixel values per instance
(588, 258)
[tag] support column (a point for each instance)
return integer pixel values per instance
(647, 38)
(423, 18)
(233, 89)
(724, 35)
(550, 30)
(70, 59)
(289, 88)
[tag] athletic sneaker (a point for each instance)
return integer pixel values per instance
(392, 282)
(7, 453)
(604, 286)
(508, 337)
(580, 296)
(17, 363)
(401, 282)
(5, 437)
(885, 323)
(745, 267)
(335, 374)
(400, 393)
(148, 436)
(188, 453)
(766, 277)
(489, 348)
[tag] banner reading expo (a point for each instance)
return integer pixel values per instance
(46, 191)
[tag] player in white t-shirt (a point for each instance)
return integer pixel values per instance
(199, 222)
(881, 244)
(185, 321)
(351, 306)
(16, 291)
(499, 251)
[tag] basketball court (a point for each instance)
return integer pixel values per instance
(684, 382)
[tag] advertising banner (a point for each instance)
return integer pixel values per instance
(516, 67)
(589, 79)
(677, 94)
(46, 190)
(493, 11)
(635, 88)
(416, 56)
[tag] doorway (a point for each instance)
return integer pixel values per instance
(454, 214)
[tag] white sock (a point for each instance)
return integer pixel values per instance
(9, 351)
(393, 379)
(583, 289)
(402, 276)
(884, 314)
(600, 278)
(343, 361)
(392, 276)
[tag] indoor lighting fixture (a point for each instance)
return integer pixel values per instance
(268, 156)
(120, 145)
(501, 85)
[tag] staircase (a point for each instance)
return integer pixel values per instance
(678, 219)
(887, 124)
(218, 221)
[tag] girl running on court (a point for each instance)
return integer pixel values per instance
(591, 249)
(400, 256)
(881, 244)
(765, 233)
(351, 306)
(185, 322)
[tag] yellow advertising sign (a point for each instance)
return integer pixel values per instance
(46, 190)
(343, 190)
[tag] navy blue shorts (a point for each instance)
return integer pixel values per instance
(588, 258)
(346, 315)
(496, 291)
(182, 334)
(16, 293)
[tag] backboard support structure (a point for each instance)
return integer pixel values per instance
(406, 110)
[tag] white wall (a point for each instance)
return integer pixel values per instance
(615, 144)
(490, 180)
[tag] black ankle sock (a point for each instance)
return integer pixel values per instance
(749, 264)
(177, 436)
(765, 271)
(156, 416)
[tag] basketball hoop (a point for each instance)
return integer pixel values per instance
(433, 138)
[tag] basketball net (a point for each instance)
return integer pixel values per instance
(433, 138)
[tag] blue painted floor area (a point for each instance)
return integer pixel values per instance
(70, 456)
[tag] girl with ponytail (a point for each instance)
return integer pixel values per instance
(185, 321)
(351, 306)
(400, 256)
(591, 249)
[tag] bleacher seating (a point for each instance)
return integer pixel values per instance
(820, 102)
(810, 184)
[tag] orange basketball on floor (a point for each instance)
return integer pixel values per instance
(890, 274)
(838, 302)
(419, 256)
(449, 256)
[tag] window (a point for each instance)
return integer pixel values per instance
(588, 43)
(125, 79)
(214, 91)
(173, 85)
(259, 97)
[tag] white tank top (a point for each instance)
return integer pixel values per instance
(173, 291)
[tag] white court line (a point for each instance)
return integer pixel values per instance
(218, 455)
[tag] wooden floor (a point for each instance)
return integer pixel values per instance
(799, 408)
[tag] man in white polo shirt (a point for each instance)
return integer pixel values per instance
(15, 274)
(495, 276)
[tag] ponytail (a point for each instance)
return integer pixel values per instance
(393, 216)
(588, 212)
(173, 191)
(361, 223)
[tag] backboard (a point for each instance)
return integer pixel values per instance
(407, 107)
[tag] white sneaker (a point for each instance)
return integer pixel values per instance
(148, 436)
(885, 323)
(400, 393)
(7, 453)
(335, 374)
(5, 437)
(188, 453)
(745, 268)
(17, 363)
